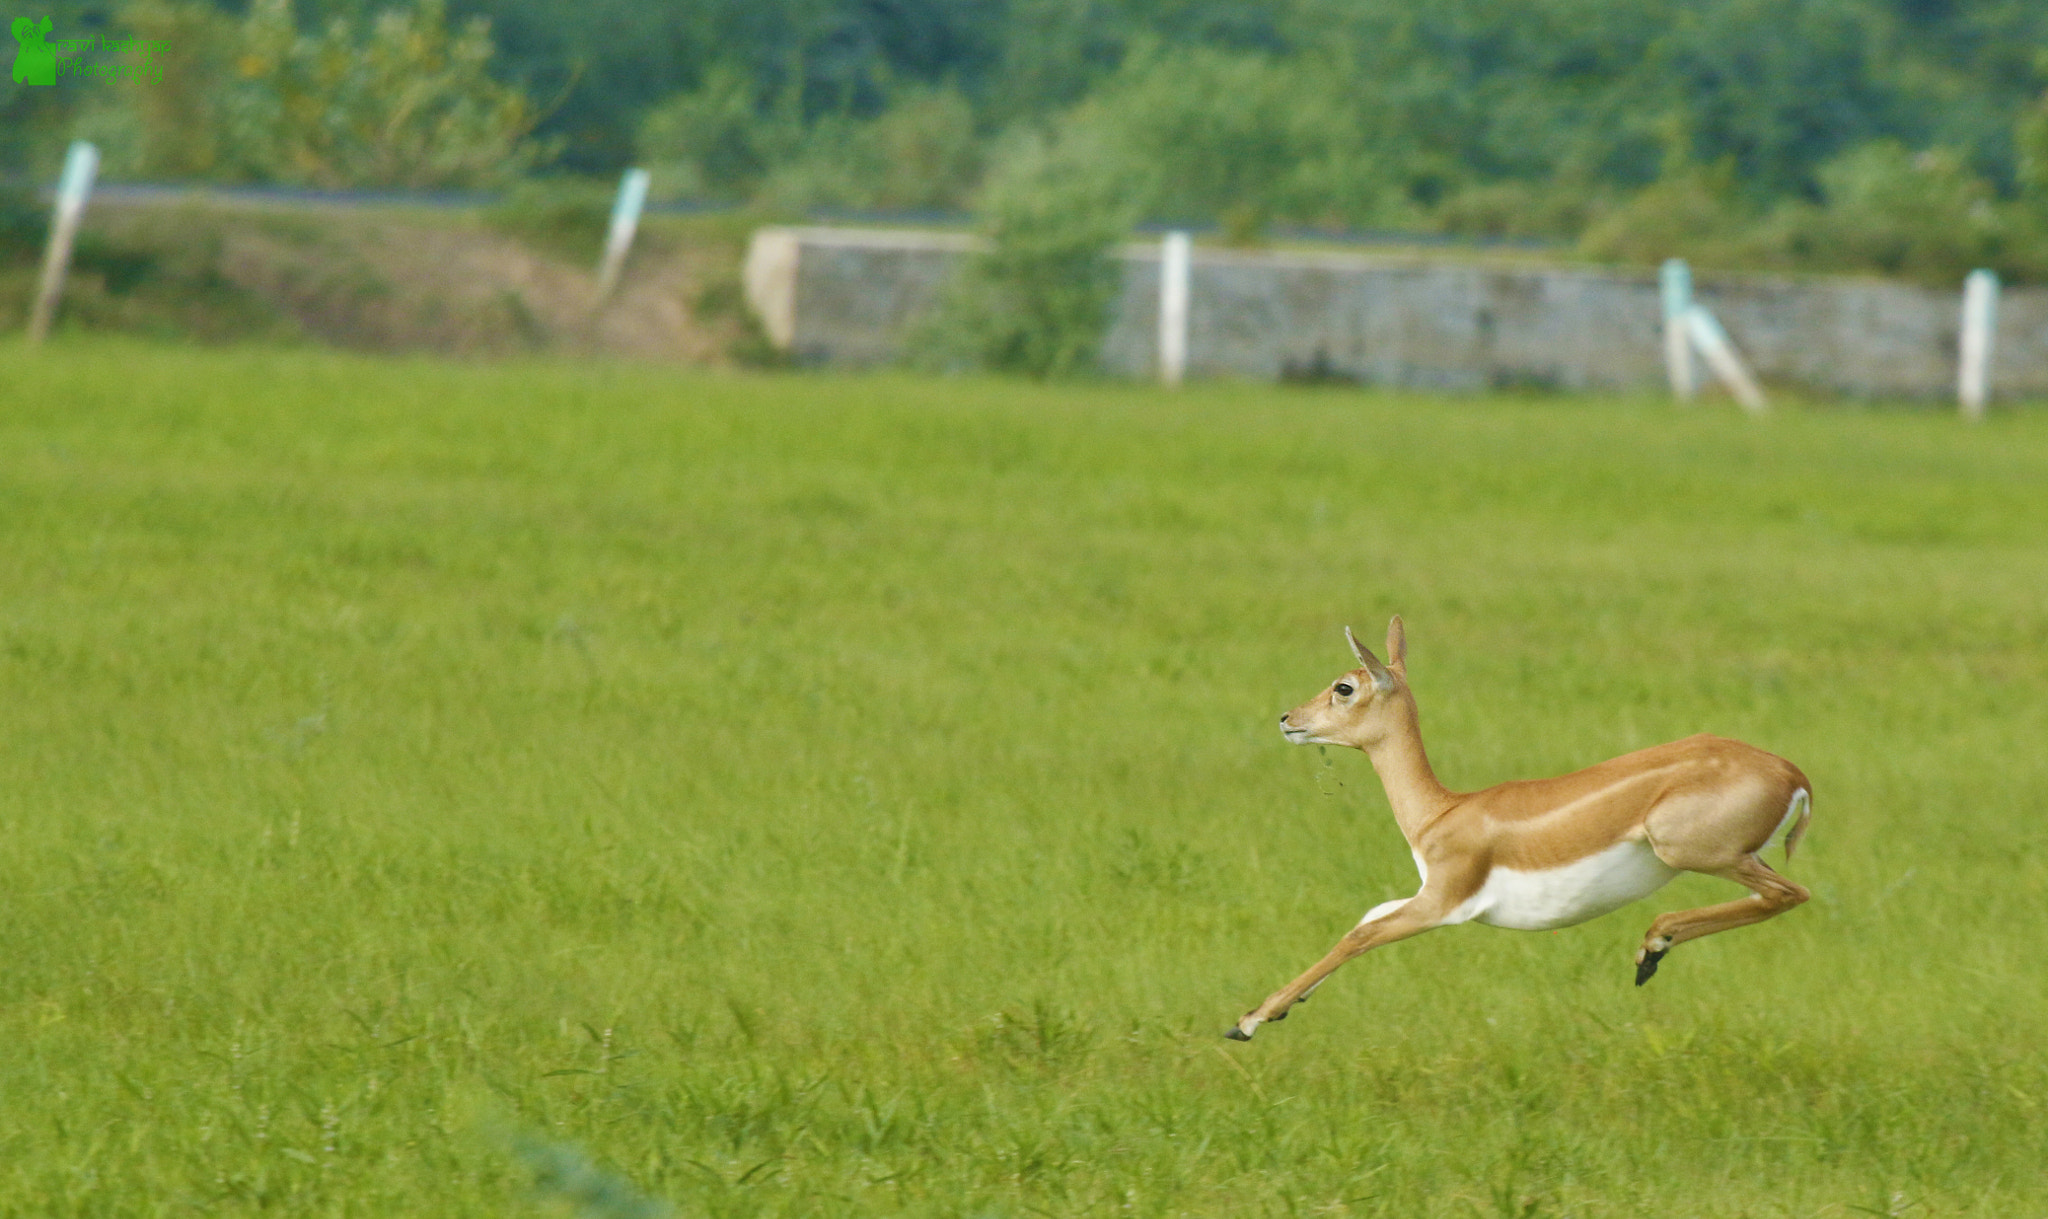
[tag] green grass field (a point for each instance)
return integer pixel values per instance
(439, 790)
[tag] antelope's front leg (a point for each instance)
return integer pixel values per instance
(1384, 925)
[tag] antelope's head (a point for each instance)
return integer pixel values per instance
(1363, 707)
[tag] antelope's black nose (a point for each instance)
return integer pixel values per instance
(1283, 719)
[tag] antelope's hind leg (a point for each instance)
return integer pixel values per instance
(1770, 896)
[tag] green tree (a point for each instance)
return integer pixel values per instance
(2030, 143)
(402, 100)
(173, 125)
(1240, 136)
(36, 121)
(405, 102)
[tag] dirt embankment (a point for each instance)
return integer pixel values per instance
(470, 283)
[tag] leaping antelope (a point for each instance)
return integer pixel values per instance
(1542, 853)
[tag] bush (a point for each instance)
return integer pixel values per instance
(1691, 212)
(724, 141)
(1037, 299)
(25, 230)
(1244, 138)
(925, 149)
(24, 226)
(1923, 216)
(1521, 209)
(406, 101)
(565, 216)
(921, 153)
(718, 141)
(2030, 140)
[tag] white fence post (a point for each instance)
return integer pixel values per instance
(1677, 284)
(1980, 327)
(1705, 331)
(625, 222)
(769, 276)
(80, 164)
(1176, 254)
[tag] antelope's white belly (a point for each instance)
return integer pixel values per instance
(1559, 897)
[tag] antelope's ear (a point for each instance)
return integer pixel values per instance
(1382, 681)
(1397, 646)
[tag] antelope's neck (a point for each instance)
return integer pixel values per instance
(1412, 787)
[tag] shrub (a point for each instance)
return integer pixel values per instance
(406, 101)
(717, 140)
(920, 153)
(24, 225)
(565, 216)
(1692, 211)
(1922, 215)
(1883, 209)
(1521, 209)
(722, 141)
(1243, 137)
(1036, 299)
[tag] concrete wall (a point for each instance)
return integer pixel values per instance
(846, 297)
(850, 293)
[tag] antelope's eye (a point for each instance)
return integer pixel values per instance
(1344, 689)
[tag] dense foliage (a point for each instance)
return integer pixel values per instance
(1905, 136)
(400, 97)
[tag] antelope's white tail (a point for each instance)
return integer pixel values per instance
(1797, 814)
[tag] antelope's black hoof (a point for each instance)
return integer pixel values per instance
(1647, 967)
(1237, 1034)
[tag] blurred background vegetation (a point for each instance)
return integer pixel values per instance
(1903, 137)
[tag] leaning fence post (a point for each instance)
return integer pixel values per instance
(1677, 284)
(80, 164)
(625, 222)
(1175, 255)
(1706, 333)
(1980, 328)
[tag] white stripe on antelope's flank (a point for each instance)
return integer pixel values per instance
(1560, 897)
